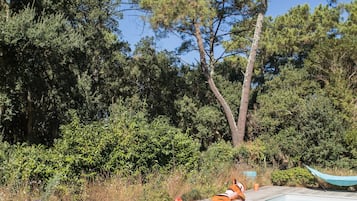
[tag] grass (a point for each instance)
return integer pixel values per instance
(157, 186)
(160, 187)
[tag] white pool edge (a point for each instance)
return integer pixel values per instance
(319, 197)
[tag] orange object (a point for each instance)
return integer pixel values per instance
(256, 187)
(234, 192)
(178, 199)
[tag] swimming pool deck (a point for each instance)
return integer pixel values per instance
(268, 192)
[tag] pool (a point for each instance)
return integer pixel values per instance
(309, 198)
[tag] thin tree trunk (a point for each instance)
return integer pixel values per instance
(227, 111)
(29, 111)
(208, 74)
(243, 109)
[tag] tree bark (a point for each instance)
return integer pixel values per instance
(29, 124)
(208, 74)
(227, 111)
(243, 109)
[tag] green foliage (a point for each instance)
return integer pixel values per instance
(312, 108)
(143, 146)
(54, 57)
(82, 148)
(302, 119)
(217, 157)
(37, 53)
(199, 113)
(292, 177)
(57, 57)
(208, 122)
(332, 65)
(204, 22)
(254, 152)
(31, 165)
(192, 195)
(167, 13)
(153, 77)
(187, 110)
(290, 37)
(351, 140)
(231, 88)
(127, 144)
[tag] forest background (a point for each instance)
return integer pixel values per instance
(78, 105)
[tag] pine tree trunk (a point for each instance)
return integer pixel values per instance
(29, 114)
(243, 109)
(226, 109)
(205, 69)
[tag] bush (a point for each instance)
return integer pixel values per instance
(302, 120)
(192, 195)
(253, 152)
(127, 143)
(217, 156)
(124, 143)
(142, 146)
(292, 177)
(26, 164)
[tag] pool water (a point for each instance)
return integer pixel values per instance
(309, 198)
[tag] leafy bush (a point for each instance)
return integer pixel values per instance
(208, 123)
(217, 156)
(125, 143)
(83, 149)
(301, 120)
(351, 139)
(253, 152)
(292, 177)
(145, 147)
(192, 195)
(26, 164)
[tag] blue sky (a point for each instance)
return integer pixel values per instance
(133, 27)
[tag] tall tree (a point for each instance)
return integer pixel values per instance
(299, 122)
(333, 63)
(312, 101)
(152, 77)
(55, 56)
(243, 109)
(292, 36)
(203, 22)
(36, 73)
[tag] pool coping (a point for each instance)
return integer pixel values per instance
(308, 197)
(268, 192)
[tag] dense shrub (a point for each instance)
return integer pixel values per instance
(192, 195)
(24, 164)
(300, 121)
(293, 177)
(217, 156)
(142, 148)
(254, 152)
(125, 143)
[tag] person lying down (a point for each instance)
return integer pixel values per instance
(234, 192)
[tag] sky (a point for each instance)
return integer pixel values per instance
(133, 28)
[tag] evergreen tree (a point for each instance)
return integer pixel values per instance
(203, 22)
(56, 56)
(37, 74)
